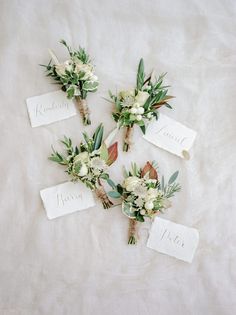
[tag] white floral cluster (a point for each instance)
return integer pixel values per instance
(89, 166)
(84, 71)
(144, 195)
(134, 104)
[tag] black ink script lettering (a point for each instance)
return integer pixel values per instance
(41, 110)
(172, 238)
(164, 131)
(63, 199)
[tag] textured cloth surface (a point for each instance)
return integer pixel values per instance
(80, 263)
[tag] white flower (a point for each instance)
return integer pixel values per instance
(98, 163)
(131, 182)
(140, 190)
(141, 97)
(149, 115)
(133, 110)
(61, 68)
(152, 193)
(139, 117)
(166, 203)
(83, 170)
(81, 157)
(124, 94)
(140, 110)
(137, 105)
(142, 212)
(149, 205)
(139, 202)
(85, 68)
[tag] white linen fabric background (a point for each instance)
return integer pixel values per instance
(80, 263)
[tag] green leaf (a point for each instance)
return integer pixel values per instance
(126, 209)
(77, 167)
(114, 194)
(104, 176)
(54, 158)
(70, 92)
(104, 152)
(173, 177)
(140, 75)
(143, 128)
(111, 183)
(162, 182)
(97, 137)
(139, 217)
(168, 105)
(119, 189)
(90, 85)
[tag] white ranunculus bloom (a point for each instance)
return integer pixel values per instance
(81, 157)
(143, 212)
(133, 110)
(124, 94)
(141, 97)
(83, 170)
(62, 67)
(140, 110)
(131, 182)
(85, 68)
(139, 117)
(149, 205)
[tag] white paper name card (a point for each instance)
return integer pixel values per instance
(66, 198)
(171, 135)
(173, 239)
(48, 108)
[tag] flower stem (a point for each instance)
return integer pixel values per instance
(83, 109)
(102, 196)
(132, 232)
(127, 139)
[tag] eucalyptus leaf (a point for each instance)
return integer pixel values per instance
(173, 177)
(114, 194)
(127, 210)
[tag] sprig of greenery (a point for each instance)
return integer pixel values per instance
(73, 82)
(157, 96)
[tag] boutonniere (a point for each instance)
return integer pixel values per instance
(143, 195)
(89, 162)
(76, 77)
(140, 105)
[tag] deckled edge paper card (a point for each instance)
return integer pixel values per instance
(48, 108)
(171, 135)
(173, 239)
(66, 198)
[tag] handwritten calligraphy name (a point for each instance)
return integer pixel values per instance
(62, 199)
(165, 131)
(41, 110)
(172, 238)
